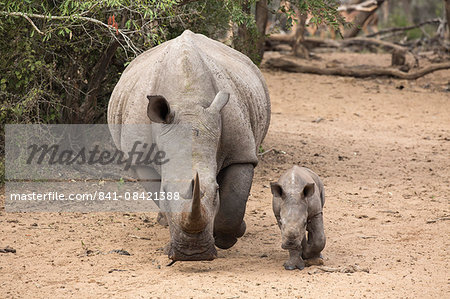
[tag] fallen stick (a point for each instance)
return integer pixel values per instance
(266, 152)
(313, 42)
(398, 52)
(140, 238)
(362, 41)
(437, 219)
(348, 269)
(368, 237)
(355, 71)
(7, 249)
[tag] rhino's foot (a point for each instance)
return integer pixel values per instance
(295, 260)
(312, 256)
(317, 261)
(242, 229)
(293, 264)
(227, 240)
(162, 219)
(167, 249)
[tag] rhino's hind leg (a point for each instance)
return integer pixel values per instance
(234, 182)
(315, 243)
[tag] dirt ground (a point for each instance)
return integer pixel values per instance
(382, 149)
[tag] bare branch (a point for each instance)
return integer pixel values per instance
(26, 17)
(366, 6)
(396, 29)
(184, 2)
(38, 16)
(111, 29)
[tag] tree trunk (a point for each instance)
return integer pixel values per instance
(298, 48)
(87, 111)
(386, 11)
(72, 96)
(447, 12)
(406, 6)
(242, 42)
(359, 21)
(261, 17)
(398, 58)
(98, 73)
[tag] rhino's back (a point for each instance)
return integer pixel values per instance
(190, 70)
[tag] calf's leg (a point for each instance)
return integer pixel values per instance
(315, 243)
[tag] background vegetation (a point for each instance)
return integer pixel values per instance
(60, 59)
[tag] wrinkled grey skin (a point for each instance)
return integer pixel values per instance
(298, 199)
(222, 94)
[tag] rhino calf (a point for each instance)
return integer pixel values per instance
(298, 199)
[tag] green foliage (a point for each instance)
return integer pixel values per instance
(414, 34)
(246, 35)
(399, 19)
(212, 18)
(419, 11)
(260, 149)
(322, 12)
(50, 59)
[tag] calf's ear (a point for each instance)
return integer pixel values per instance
(219, 101)
(308, 191)
(158, 109)
(276, 189)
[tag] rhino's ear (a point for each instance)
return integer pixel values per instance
(219, 101)
(158, 109)
(308, 191)
(276, 189)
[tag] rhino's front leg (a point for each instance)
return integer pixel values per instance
(234, 182)
(316, 238)
(295, 260)
(151, 181)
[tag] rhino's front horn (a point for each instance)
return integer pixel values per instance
(196, 220)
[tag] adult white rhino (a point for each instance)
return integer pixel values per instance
(220, 93)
